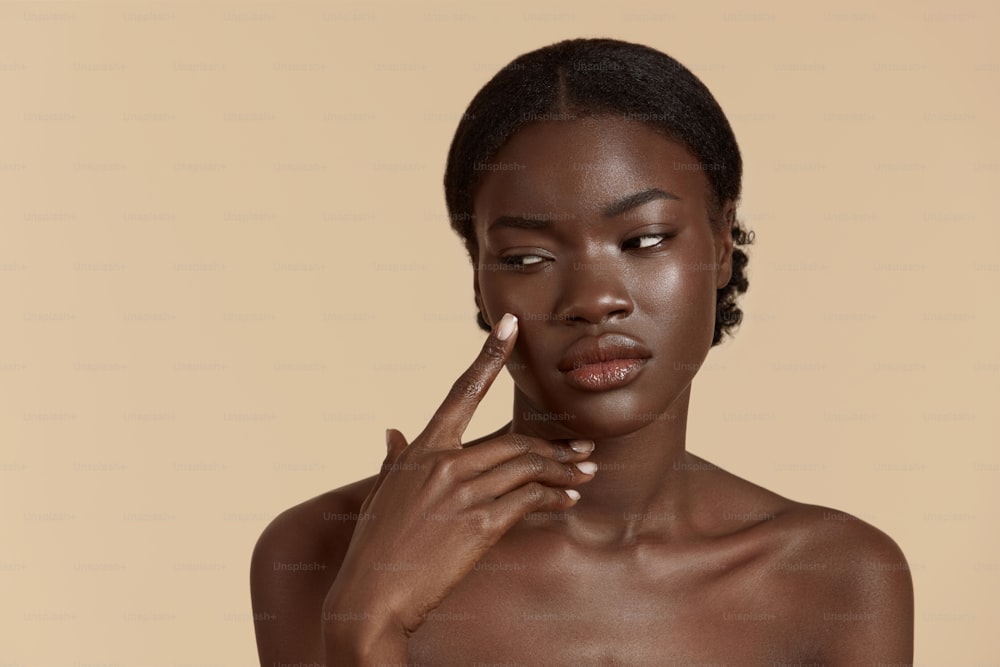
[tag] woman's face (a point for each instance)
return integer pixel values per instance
(595, 233)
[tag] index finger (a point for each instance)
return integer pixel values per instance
(449, 422)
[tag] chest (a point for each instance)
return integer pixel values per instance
(607, 613)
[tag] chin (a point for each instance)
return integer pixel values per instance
(590, 428)
(605, 429)
(593, 416)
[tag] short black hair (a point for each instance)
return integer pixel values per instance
(589, 77)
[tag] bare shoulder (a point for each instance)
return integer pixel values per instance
(317, 523)
(294, 562)
(862, 567)
(836, 539)
(842, 585)
(852, 584)
(842, 539)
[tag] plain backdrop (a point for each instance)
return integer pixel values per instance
(226, 268)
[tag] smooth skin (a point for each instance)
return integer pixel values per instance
(480, 553)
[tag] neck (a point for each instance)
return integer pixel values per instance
(641, 485)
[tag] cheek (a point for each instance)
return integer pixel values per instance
(506, 294)
(701, 292)
(680, 300)
(532, 306)
(676, 290)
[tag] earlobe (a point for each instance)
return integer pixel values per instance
(724, 245)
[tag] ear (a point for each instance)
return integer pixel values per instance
(724, 245)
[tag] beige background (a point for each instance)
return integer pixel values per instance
(225, 268)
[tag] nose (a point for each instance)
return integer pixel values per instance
(594, 292)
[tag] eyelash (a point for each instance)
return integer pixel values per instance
(663, 238)
(518, 260)
(515, 260)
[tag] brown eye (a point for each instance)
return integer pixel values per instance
(645, 241)
(522, 260)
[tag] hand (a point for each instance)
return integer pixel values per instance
(436, 508)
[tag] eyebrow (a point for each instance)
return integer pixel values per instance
(636, 200)
(613, 210)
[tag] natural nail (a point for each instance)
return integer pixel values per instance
(506, 327)
(582, 446)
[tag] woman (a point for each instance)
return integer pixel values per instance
(595, 184)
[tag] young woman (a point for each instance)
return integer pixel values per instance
(595, 184)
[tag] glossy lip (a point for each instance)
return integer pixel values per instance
(603, 362)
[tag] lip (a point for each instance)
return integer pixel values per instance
(600, 363)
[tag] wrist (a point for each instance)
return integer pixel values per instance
(362, 639)
(360, 631)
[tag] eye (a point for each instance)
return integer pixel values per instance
(646, 241)
(522, 260)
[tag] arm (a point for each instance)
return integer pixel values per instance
(286, 601)
(870, 621)
(295, 562)
(430, 515)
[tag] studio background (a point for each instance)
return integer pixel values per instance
(226, 268)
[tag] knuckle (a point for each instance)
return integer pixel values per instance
(561, 454)
(535, 464)
(444, 468)
(466, 387)
(519, 444)
(493, 352)
(536, 494)
(479, 523)
(463, 496)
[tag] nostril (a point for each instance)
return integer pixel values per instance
(593, 294)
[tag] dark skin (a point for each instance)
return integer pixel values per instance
(457, 554)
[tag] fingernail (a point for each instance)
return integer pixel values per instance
(588, 467)
(387, 442)
(572, 493)
(506, 327)
(582, 446)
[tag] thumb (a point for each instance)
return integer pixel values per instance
(395, 443)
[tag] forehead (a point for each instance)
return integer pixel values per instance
(577, 167)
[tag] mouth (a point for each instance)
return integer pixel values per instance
(603, 362)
